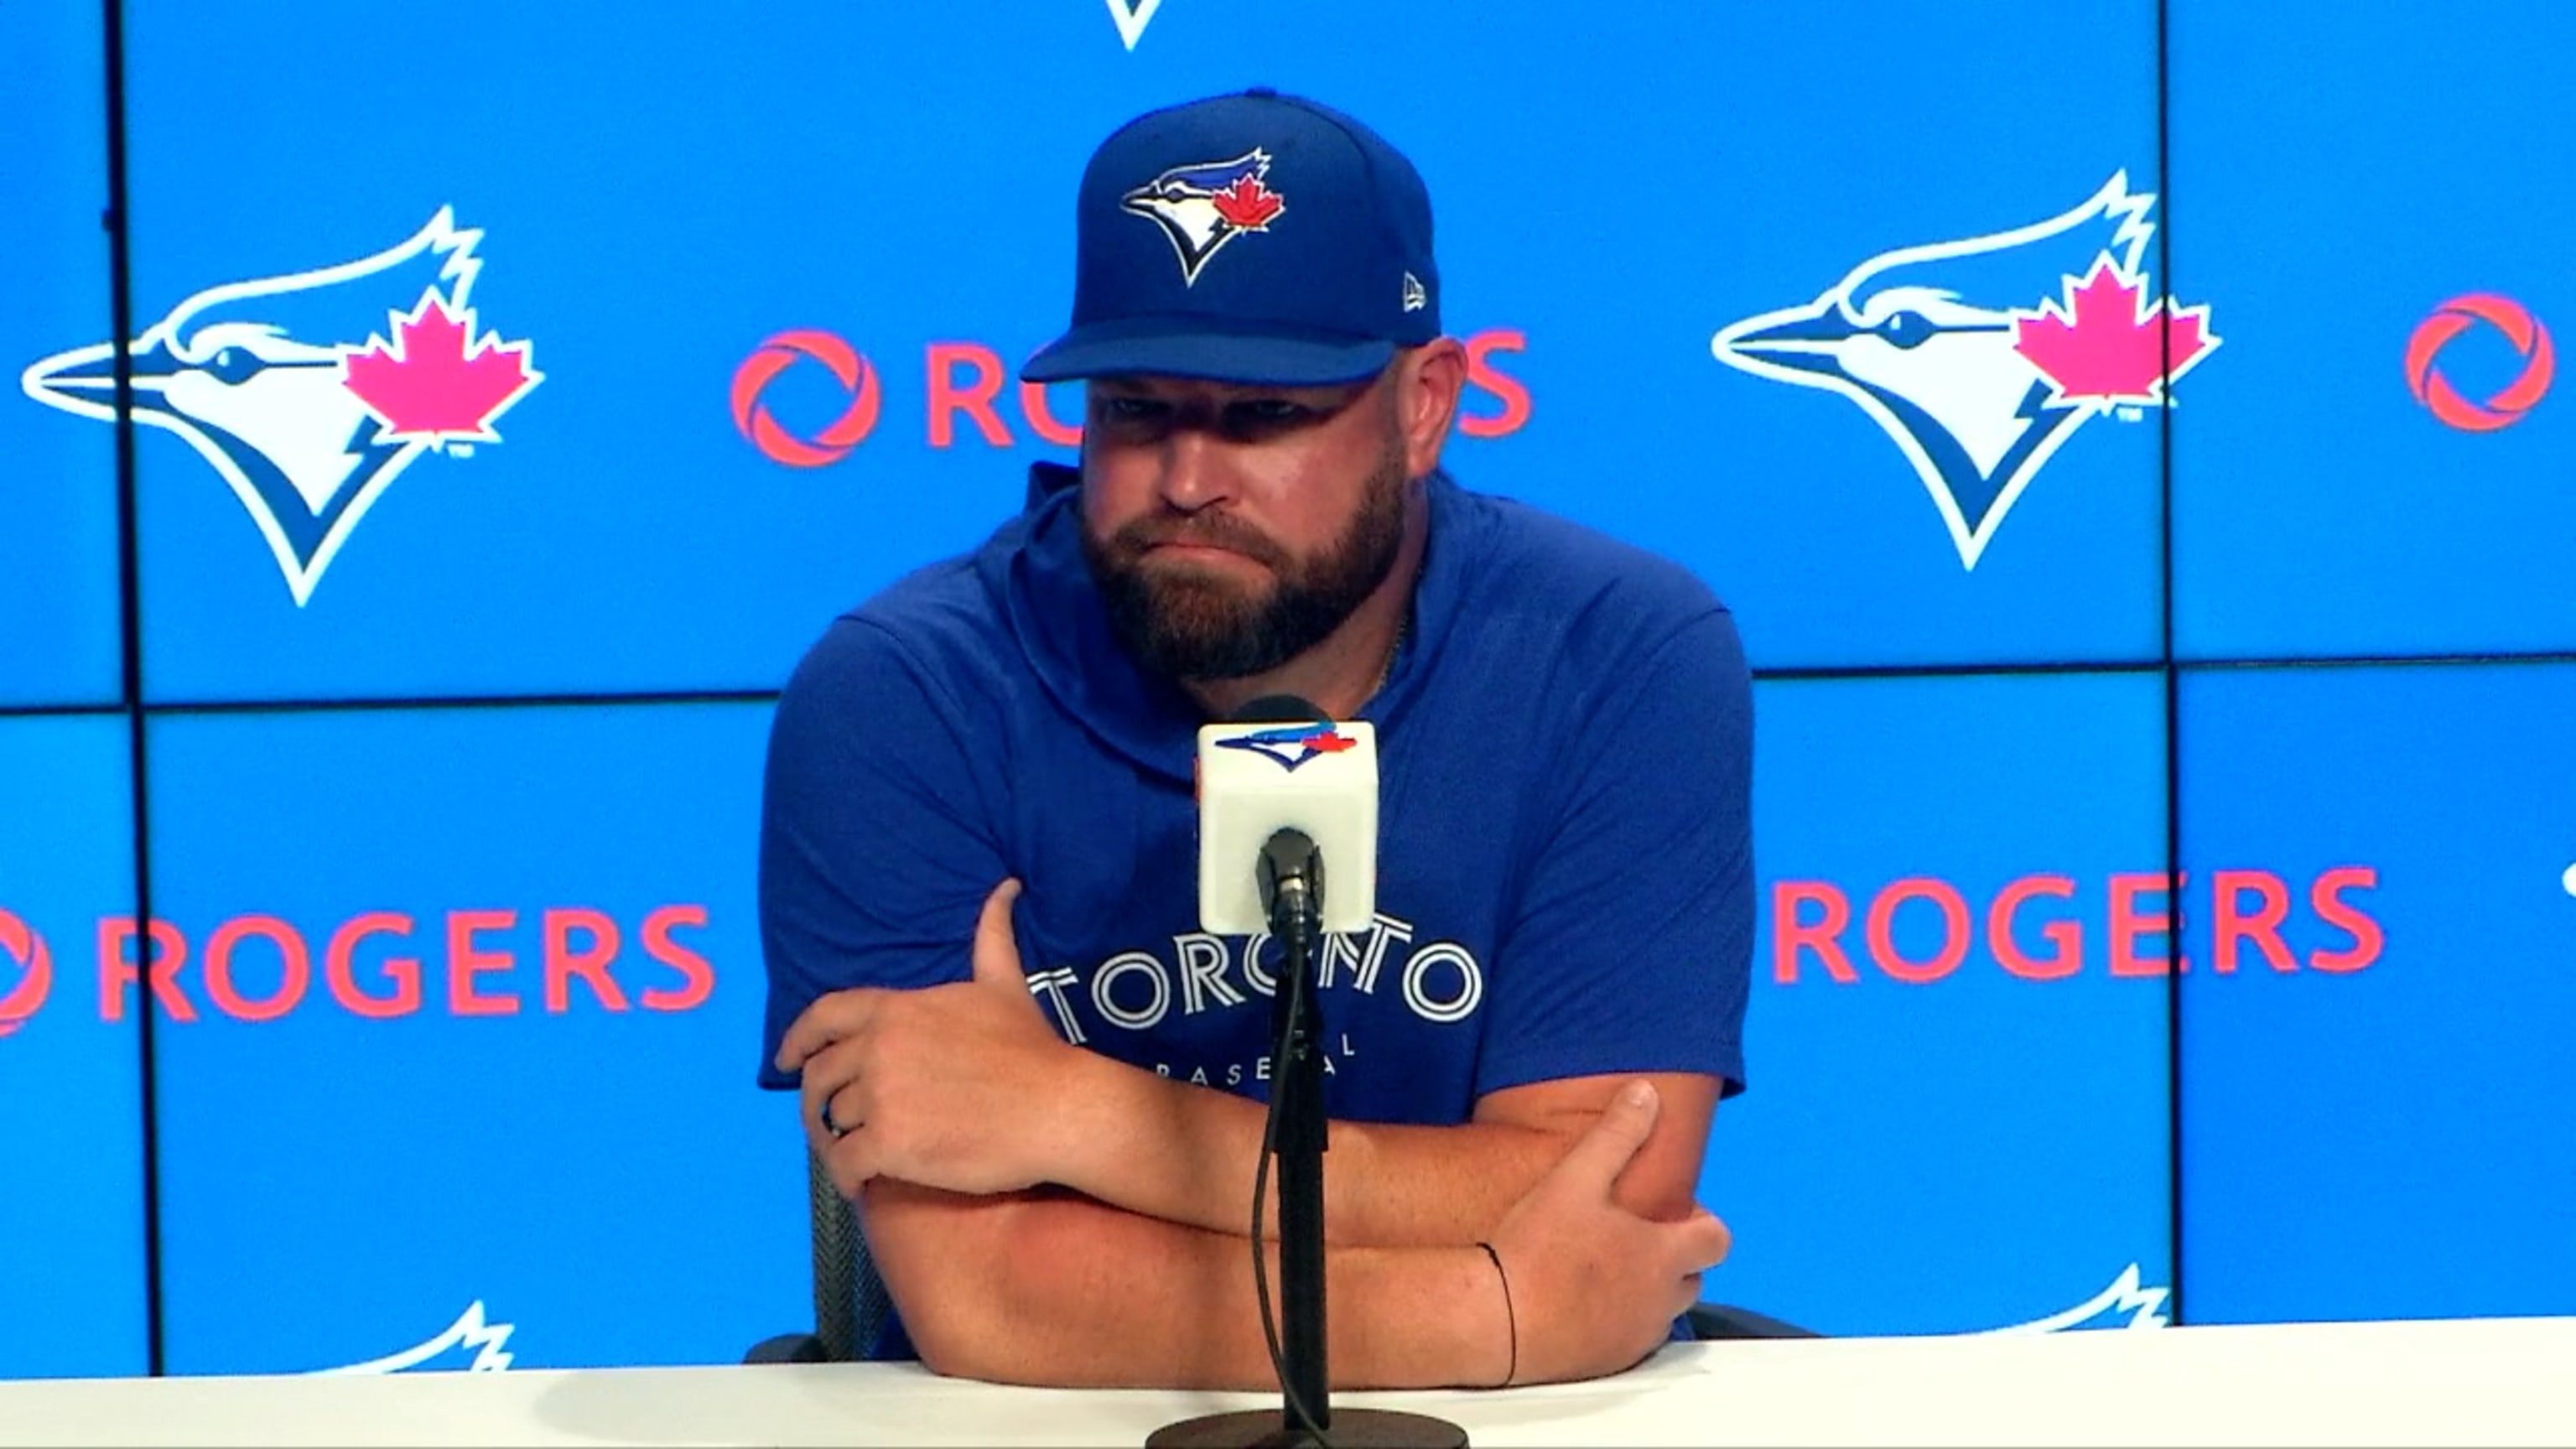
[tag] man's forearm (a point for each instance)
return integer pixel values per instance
(1186, 1154)
(1054, 1288)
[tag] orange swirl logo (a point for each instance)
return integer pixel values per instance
(774, 356)
(2458, 315)
(18, 939)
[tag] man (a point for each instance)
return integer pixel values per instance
(1037, 1080)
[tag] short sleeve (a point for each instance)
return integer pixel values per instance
(876, 847)
(1631, 949)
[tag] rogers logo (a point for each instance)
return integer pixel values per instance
(962, 383)
(2530, 340)
(2247, 909)
(384, 964)
(775, 356)
(19, 941)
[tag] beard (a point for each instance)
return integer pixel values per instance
(1192, 625)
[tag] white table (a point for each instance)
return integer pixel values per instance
(2479, 1381)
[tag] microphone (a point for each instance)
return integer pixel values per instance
(1283, 788)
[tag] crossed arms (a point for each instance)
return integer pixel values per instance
(1043, 1214)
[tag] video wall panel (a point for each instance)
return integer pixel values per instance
(1905, 437)
(494, 425)
(2376, 1121)
(456, 1058)
(61, 609)
(1956, 1114)
(72, 1233)
(2387, 472)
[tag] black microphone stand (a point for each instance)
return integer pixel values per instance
(1292, 894)
(1296, 919)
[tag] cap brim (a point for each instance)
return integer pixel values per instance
(1182, 347)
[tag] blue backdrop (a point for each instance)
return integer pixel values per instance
(1958, 1110)
(2078, 403)
(72, 1290)
(2384, 1131)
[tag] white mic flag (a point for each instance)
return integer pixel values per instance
(1258, 779)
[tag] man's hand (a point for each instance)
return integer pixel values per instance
(939, 1086)
(1594, 1286)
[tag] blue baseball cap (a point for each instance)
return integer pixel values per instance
(1256, 238)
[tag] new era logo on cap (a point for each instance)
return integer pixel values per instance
(1250, 238)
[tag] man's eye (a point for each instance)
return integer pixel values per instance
(1265, 412)
(1132, 409)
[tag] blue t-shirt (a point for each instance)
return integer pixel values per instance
(1565, 876)
(1565, 870)
(1565, 839)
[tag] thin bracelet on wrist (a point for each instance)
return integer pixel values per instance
(1510, 1318)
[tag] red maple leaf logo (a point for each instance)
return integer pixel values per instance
(2108, 344)
(1248, 205)
(1329, 742)
(436, 381)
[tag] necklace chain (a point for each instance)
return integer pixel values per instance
(1386, 671)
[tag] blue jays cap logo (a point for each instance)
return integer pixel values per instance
(1981, 358)
(1293, 745)
(1206, 204)
(310, 393)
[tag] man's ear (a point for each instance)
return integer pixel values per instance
(1428, 380)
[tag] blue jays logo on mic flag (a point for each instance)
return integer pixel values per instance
(311, 392)
(1981, 358)
(1292, 745)
(1206, 204)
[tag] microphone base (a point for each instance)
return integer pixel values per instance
(1266, 1429)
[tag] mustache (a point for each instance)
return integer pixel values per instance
(1207, 530)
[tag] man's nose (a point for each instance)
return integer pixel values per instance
(1194, 470)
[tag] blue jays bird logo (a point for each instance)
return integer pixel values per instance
(1981, 358)
(1293, 745)
(471, 1330)
(310, 393)
(1206, 204)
